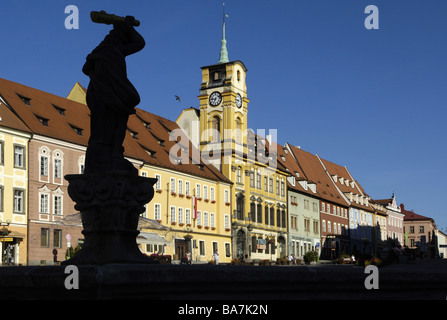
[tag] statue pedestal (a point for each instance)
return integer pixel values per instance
(110, 204)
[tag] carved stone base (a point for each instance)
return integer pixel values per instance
(110, 204)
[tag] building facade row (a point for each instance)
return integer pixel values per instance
(221, 187)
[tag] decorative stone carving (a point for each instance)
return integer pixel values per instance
(110, 204)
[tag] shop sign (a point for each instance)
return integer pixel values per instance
(262, 244)
(6, 239)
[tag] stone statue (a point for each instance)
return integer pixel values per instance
(109, 194)
(111, 97)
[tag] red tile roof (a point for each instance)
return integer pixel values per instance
(355, 188)
(52, 116)
(315, 172)
(42, 107)
(411, 216)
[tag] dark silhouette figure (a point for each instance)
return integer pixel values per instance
(111, 97)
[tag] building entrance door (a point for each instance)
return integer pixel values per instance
(240, 245)
(180, 249)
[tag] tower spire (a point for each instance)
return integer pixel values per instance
(223, 48)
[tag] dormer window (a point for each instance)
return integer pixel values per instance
(76, 129)
(60, 110)
(25, 100)
(134, 134)
(42, 120)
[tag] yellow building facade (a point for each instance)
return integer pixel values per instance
(195, 212)
(13, 195)
(247, 158)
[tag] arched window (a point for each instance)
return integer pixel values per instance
(215, 127)
(238, 130)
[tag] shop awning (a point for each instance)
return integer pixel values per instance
(151, 238)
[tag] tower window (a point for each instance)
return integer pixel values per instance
(215, 126)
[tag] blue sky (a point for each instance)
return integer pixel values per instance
(373, 100)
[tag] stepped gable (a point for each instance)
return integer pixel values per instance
(315, 172)
(47, 114)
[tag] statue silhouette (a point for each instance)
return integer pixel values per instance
(111, 97)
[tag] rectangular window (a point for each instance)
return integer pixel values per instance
(158, 183)
(58, 168)
(2, 192)
(227, 250)
(227, 196)
(205, 192)
(206, 219)
(187, 188)
(271, 185)
(188, 216)
(213, 220)
(19, 156)
(180, 215)
(44, 201)
(172, 214)
(45, 237)
(199, 218)
(2, 152)
(157, 211)
(44, 166)
(212, 196)
(198, 193)
(180, 186)
(202, 247)
(57, 238)
(19, 201)
(227, 221)
(421, 229)
(172, 185)
(58, 205)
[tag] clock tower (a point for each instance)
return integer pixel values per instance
(223, 111)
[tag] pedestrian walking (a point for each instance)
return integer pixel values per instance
(216, 257)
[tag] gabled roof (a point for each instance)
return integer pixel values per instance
(411, 216)
(147, 137)
(346, 183)
(47, 114)
(286, 158)
(315, 172)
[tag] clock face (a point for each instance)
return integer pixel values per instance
(215, 98)
(238, 100)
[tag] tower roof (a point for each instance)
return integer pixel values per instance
(223, 48)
